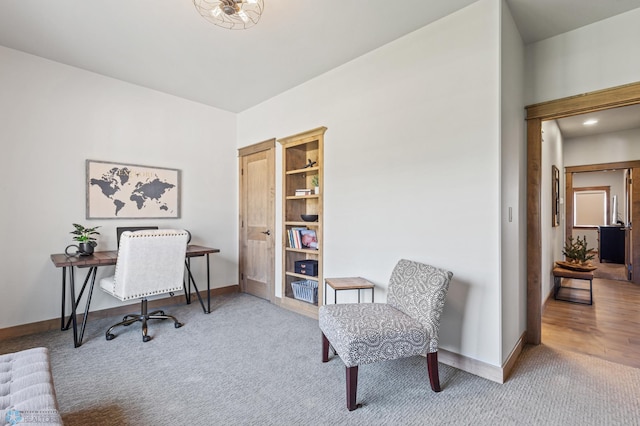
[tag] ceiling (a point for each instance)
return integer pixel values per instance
(167, 46)
(609, 120)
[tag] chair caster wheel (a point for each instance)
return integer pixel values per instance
(178, 324)
(110, 336)
(146, 338)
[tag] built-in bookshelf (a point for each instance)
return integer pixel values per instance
(302, 217)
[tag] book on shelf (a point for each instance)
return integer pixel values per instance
(301, 192)
(294, 237)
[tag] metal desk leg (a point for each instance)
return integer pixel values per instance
(72, 294)
(187, 285)
(193, 281)
(73, 318)
(64, 295)
(208, 311)
(92, 272)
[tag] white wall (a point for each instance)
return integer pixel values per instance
(594, 57)
(604, 148)
(552, 238)
(54, 117)
(597, 149)
(513, 178)
(412, 165)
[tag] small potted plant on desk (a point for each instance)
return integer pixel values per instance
(85, 238)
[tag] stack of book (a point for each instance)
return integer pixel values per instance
(301, 192)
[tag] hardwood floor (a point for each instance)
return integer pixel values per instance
(608, 329)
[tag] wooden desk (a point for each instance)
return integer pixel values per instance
(106, 258)
(351, 283)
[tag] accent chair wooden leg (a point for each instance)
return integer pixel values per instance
(325, 348)
(352, 387)
(432, 366)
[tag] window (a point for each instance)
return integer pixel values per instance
(590, 206)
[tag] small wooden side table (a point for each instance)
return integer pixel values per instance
(351, 283)
(559, 273)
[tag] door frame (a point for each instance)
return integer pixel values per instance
(268, 145)
(535, 114)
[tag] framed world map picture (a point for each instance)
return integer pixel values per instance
(130, 191)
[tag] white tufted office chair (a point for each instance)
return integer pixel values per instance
(149, 262)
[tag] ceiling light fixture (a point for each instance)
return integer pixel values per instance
(231, 14)
(590, 122)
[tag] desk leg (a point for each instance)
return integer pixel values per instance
(64, 295)
(208, 311)
(92, 269)
(73, 317)
(92, 272)
(188, 281)
(72, 294)
(187, 285)
(191, 280)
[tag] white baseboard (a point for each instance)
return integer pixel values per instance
(482, 369)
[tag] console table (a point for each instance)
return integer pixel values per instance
(106, 258)
(559, 273)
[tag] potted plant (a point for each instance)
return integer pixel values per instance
(85, 238)
(578, 251)
(314, 183)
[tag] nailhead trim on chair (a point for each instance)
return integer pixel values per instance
(147, 234)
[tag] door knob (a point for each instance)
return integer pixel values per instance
(267, 232)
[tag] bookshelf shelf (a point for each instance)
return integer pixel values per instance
(302, 197)
(303, 276)
(298, 151)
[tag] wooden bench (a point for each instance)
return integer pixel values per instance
(560, 273)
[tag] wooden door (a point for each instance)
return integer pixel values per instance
(628, 252)
(257, 220)
(634, 236)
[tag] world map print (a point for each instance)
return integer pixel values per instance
(130, 191)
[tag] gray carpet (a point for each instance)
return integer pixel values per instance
(253, 363)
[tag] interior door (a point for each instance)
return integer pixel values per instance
(257, 220)
(629, 235)
(634, 208)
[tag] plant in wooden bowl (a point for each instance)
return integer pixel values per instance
(578, 251)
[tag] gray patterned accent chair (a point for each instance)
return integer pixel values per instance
(150, 262)
(405, 326)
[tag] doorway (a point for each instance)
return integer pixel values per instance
(257, 219)
(612, 237)
(594, 101)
